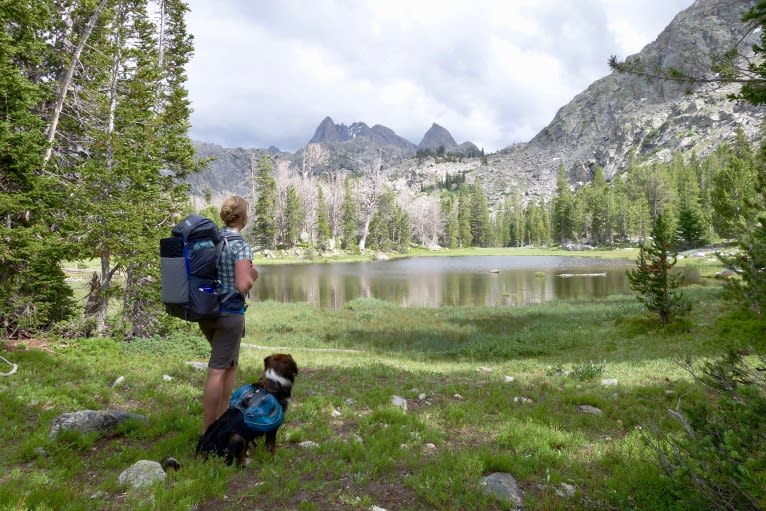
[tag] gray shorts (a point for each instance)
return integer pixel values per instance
(224, 335)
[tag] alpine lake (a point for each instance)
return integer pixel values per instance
(437, 281)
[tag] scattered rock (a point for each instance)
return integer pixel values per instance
(167, 377)
(119, 381)
(87, 421)
(429, 449)
(421, 397)
(200, 366)
(336, 413)
(381, 257)
(589, 409)
(142, 473)
(524, 400)
(458, 396)
(484, 370)
(565, 490)
(399, 402)
(609, 382)
(508, 379)
(726, 274)
(376, 508)
(308, 444)
(41, 452)
(503, 487)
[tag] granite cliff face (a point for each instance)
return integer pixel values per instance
(621, 114)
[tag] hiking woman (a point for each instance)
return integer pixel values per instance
(236, 274)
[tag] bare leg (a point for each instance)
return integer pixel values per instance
(211, 397)
(229, 376)
(215, 399)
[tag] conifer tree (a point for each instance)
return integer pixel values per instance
(324, 232)
(733, 195)
(598, 209)
(265, 224)
(294, 215)
(452, 227)
(464, 218)
(657, 285)
(125, 145)
(349, 220)
(479, 217)
(33, 293)
(749, 291)
(563, 209)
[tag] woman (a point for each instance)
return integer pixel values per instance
(236, 274)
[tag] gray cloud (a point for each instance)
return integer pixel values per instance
(494, 72)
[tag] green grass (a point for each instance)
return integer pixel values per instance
(449, 363)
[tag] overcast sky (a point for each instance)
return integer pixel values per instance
(267, 72)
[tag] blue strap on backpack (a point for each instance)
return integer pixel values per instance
(262, 411)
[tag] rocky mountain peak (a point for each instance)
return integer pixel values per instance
(328, 131)
(436, 137)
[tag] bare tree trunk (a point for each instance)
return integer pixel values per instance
(106, 272)
(161, 37)
(67, 81)
(373, 188)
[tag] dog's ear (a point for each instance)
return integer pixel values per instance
(266, 361)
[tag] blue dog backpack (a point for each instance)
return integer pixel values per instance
(262, 412)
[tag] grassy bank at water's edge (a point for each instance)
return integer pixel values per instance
(489, 389)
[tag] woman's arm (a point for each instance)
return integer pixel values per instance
(244, 275)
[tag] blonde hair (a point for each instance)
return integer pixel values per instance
(234, 211)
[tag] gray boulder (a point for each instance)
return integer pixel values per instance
(503, 487)
(88, 421)
(142, 473)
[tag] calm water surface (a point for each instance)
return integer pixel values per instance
(440, 281)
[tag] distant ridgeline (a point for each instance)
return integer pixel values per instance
(617, 118)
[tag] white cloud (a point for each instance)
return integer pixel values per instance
(492, 72)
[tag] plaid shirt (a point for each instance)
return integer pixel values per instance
(232, 251)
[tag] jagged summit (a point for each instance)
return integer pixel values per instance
(328, 132)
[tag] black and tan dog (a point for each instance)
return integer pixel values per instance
(232, 433)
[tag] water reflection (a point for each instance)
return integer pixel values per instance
(438, 281)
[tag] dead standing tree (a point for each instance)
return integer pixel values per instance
(371, 188)
(66, 81)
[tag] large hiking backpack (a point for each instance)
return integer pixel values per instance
(189, 269)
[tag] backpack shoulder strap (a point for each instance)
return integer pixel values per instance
(225, 239)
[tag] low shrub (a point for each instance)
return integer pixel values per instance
(720, 451)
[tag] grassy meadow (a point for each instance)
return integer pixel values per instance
(488, 389)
